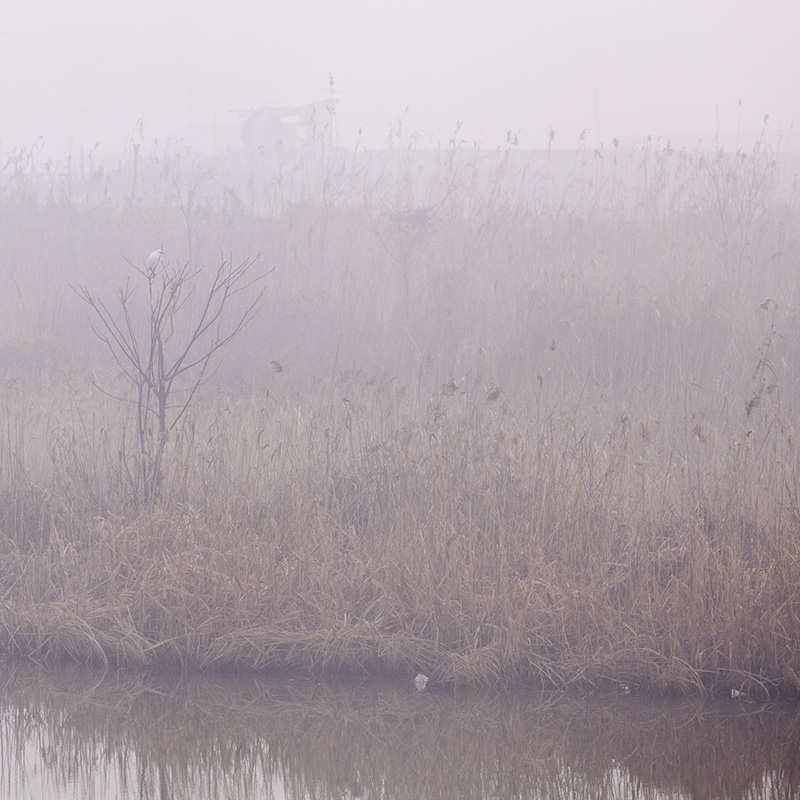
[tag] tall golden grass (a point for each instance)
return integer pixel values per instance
(496, 422)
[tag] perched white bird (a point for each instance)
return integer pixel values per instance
(153, 260)
(421, 681)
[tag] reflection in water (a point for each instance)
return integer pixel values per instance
(74, 733)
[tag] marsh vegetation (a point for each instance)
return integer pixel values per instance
(501, 416)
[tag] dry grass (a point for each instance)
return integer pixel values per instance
(496, 425)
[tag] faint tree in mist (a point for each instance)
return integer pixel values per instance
(166, 353)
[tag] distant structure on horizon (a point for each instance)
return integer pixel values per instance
(269, 126)
(265, 126)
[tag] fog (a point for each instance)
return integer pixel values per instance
(506, 299)
(595, 203)
(90, 72)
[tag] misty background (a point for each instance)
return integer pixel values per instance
(593, 203)
(94, 72)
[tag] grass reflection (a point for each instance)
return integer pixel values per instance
(73, 732)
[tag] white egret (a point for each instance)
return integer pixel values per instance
(154, 259)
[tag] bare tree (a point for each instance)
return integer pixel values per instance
(170, 351)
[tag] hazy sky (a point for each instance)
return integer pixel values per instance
(87, 70)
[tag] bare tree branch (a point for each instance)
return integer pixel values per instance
(156, 362)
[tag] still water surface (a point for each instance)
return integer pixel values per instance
(76, 733)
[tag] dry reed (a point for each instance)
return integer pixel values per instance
(507, 426)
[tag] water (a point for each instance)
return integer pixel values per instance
(76, 733)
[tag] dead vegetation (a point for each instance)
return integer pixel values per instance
(552, 441)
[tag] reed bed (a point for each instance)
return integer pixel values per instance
(497, 420)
